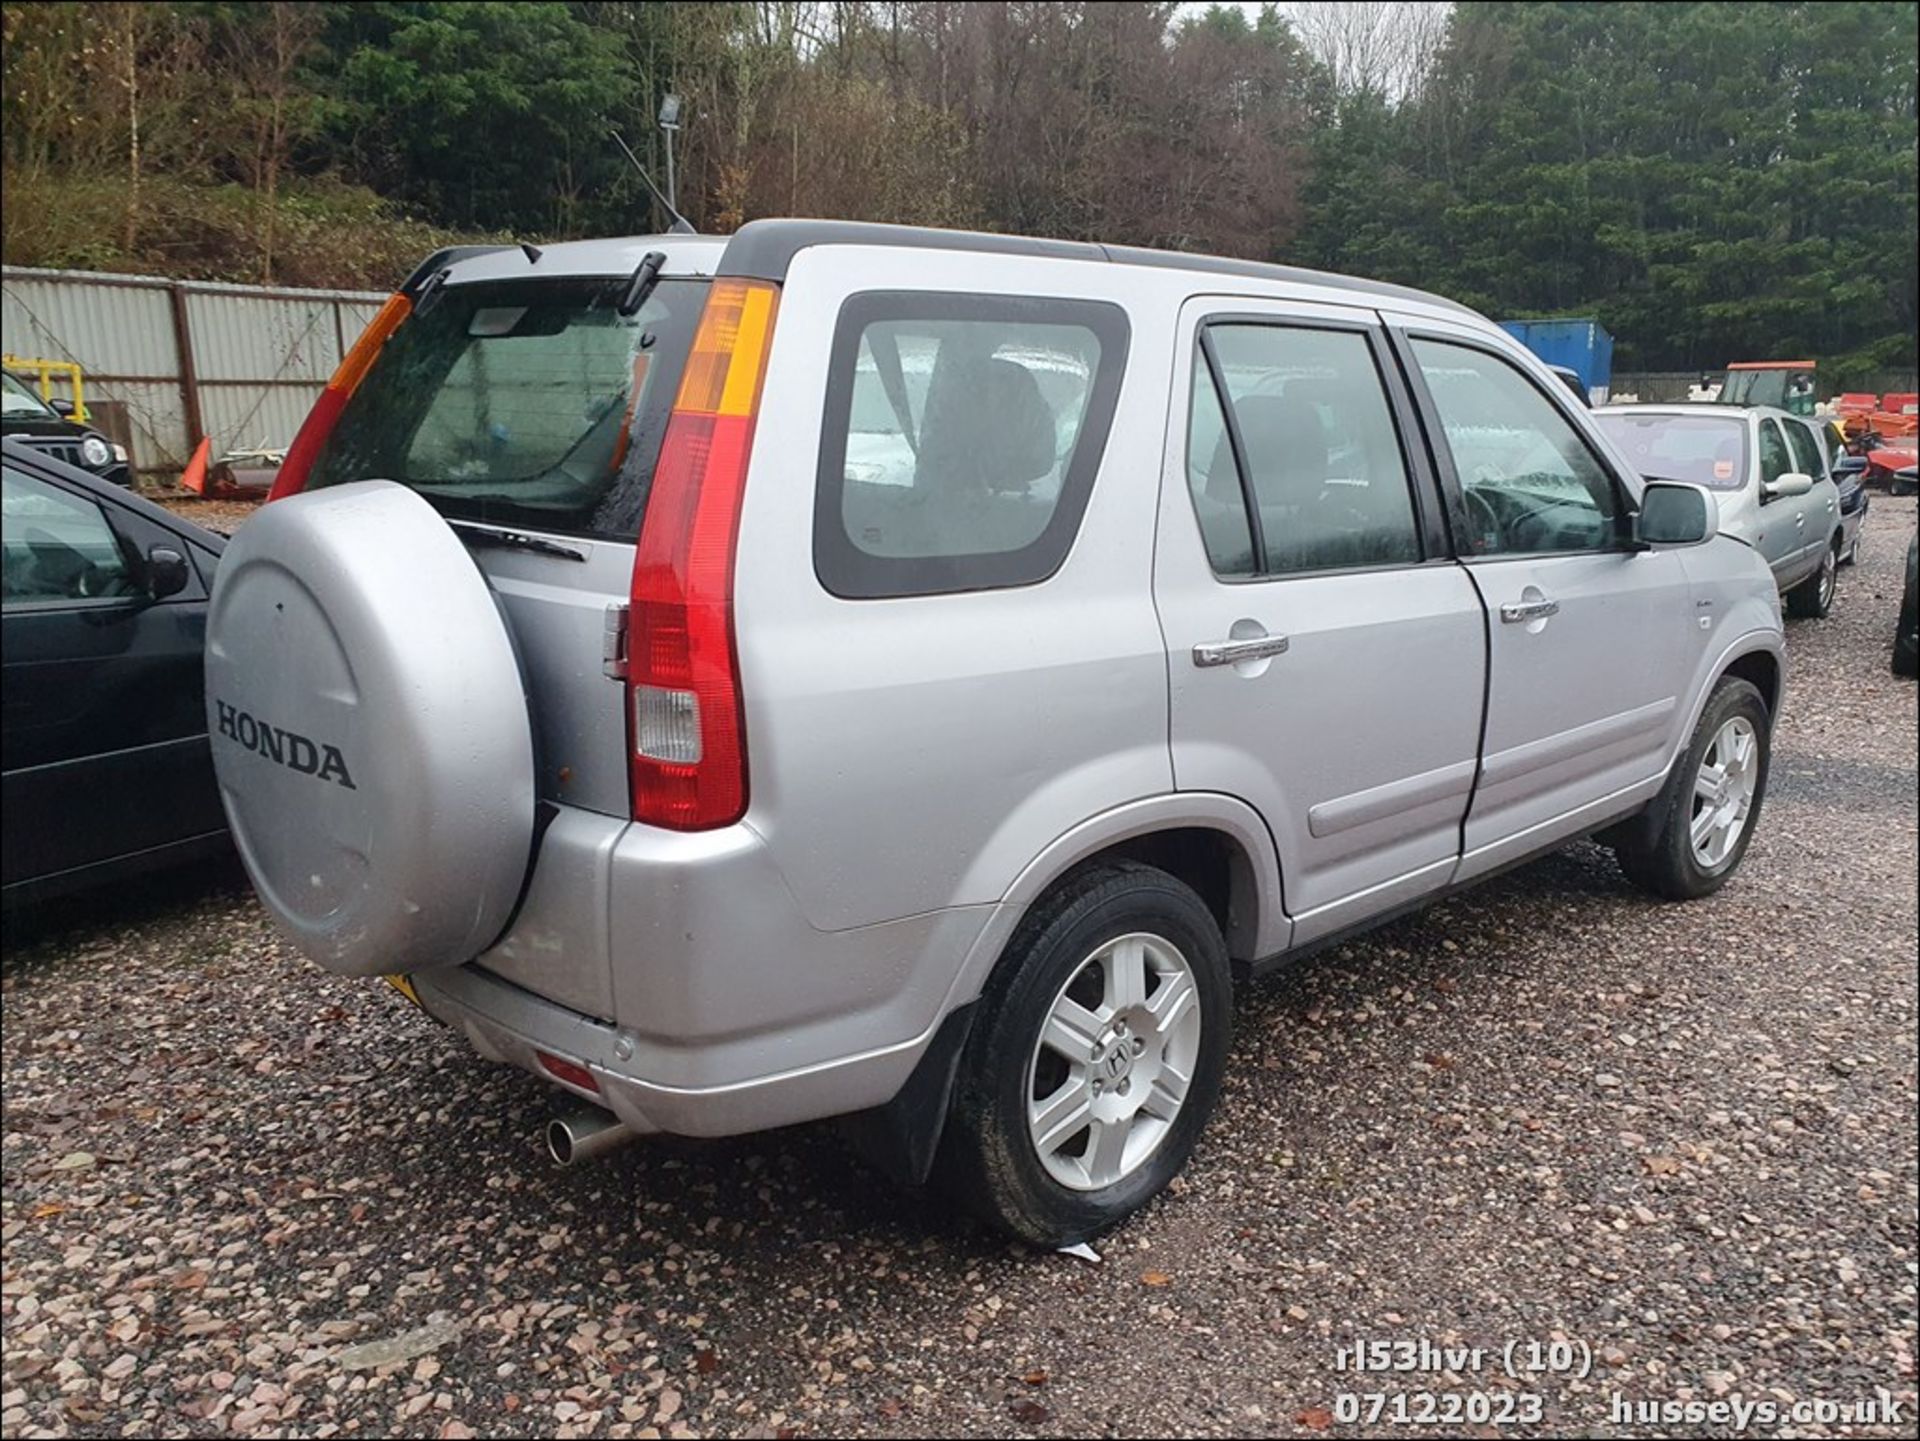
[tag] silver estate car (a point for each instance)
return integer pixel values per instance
(1767, 471)
(906, 676)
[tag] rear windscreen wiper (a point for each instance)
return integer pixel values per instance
(645, 276)
(515, 540)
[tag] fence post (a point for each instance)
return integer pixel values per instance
(189, 378)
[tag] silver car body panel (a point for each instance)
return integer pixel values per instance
(556, 611)
(922, 769)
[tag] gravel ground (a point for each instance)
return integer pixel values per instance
(1682, 1138)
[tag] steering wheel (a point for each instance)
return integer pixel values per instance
(1483, 518)
(60, 569)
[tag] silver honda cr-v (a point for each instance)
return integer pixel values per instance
(908, 676)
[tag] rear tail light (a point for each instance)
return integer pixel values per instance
(292, 478)
(688, 739)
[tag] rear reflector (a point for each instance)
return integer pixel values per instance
(688, 742)
(568, 1071)
(320, 421)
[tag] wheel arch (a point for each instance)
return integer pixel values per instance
(1216, 843)
(1761, 668)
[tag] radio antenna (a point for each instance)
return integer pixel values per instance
(680, 225)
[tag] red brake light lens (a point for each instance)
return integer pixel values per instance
(687, 734)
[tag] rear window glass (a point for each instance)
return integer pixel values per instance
(530, 403)
(1707, 450)
(961, 439)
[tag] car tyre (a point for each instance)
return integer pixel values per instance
(1906, 654)
(1813, 597)
(1711, 783)
(1068, 951)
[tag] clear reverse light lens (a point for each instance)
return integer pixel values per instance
(666, 724)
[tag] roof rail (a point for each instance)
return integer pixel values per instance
(764, 249)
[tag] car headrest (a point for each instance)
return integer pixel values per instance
(1283, 437)
(987, 427)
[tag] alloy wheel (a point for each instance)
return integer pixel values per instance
(1114, 1061)
(1723, 792)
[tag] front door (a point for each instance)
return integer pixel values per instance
(1590, 639)
(1819, 508)
(1781, 536)
(104, 740)
(1326, 655)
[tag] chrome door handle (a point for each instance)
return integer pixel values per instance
(1228, 652)
(1514, 612)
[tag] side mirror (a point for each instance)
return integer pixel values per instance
(61, 408)
(1794, 482)
(167, 572)
(1672, 514)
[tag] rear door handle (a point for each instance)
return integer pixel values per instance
(1230, 652)
(1519, 611)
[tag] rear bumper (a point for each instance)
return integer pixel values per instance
(507, 1024)
(679, 969)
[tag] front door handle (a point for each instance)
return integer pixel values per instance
(1521, 611)
(1231, 652)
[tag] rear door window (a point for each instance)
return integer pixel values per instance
(961, 439)
(530, 403)
(1323, 469)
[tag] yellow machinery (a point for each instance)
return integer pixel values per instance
(44, 371)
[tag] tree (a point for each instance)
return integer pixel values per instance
(486, 116)
(1383, 47)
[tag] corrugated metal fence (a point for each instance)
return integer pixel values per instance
(174, 360)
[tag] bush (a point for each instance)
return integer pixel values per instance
(325, 233)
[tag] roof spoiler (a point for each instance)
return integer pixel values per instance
(440, 260)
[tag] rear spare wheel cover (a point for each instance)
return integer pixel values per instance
(369, 730)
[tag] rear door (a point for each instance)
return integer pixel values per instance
(1590, 639)
(529, 410)
(532, 408)
(105, 747)
(1326, 655)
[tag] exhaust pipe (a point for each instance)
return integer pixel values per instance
(573, 1139)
